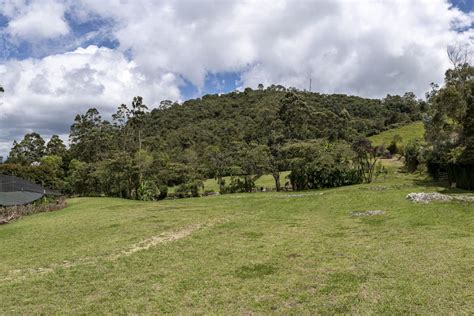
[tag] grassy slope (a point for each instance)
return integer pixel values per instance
(265, 253)
(407, 132)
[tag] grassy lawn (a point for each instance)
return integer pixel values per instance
(245, 253)
(407, 132)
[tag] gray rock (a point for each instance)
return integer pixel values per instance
(367, 213)
(428, 197)
(422, 197)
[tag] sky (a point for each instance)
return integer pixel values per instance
(59, 58)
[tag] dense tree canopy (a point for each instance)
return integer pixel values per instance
(449, 125)
(240, 134)
(29, 150)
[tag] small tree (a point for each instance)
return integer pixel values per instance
(367, 157)
(412, 155)
(276, 163)
(395, 146)
(320, 164)
(253, 164)
(218, 163)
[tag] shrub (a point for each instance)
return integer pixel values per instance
(240, 185)
(147, 191)
(322, 165)
(412, 155)
(163, 192)
(396, 147)
(189, 189)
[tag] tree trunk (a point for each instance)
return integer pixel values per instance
(276, 176)
(221, 185)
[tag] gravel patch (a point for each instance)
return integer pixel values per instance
(300, 195)
(422, 197)
(367, 213)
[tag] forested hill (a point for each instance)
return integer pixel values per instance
(254, 115)
(243, 134)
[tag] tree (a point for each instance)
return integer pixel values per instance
(118, 175)
(53, 164)
(295, 115)
(448, 124)
(131, 123)
(55, 146)
(29, 150)
(396, 146)
(321, 164)
(412, 155)
(404, 108)
(366, 157)
(459, 54)
(91, 138)
(241, 135)
(218, 164)
(467, 157)
(276, 163)
(81, 178)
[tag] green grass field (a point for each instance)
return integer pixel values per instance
(279, 253)
(407, 132)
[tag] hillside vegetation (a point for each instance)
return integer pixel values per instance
(300, 253)
(242, 135)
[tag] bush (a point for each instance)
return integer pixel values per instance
(189, 189)
(163, 192)
(412, 155)
(240, 185)
(322, 165)
(149, 191)
(396, 147)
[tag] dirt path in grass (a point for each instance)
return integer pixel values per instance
(153, 241)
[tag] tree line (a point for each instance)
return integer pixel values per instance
(449, 123)
(139, 153)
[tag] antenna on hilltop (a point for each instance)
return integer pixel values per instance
(310, 80)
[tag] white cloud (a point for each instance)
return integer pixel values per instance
(368, 48)
(45, 94)
(36, 20)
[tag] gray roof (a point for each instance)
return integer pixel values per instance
(18, 191)
(18, 198)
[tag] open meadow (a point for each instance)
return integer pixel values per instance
(408, 132)
(291, 252)
(237, 157)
